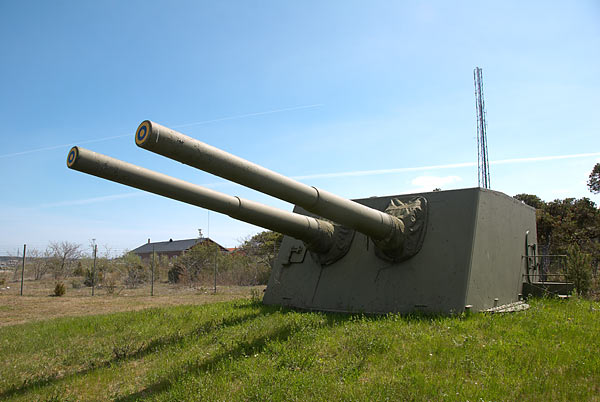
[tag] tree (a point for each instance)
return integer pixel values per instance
(531, 200)
(62, 255)
(262, 246)
(562, 223)
(594, 180)
(196, 265)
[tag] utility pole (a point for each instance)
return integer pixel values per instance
(23, 268)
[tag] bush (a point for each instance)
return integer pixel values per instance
(59, 289)
(76, 284)
(89, 278)
(79, 270)
(174, 274)
(136, 275)
(135, 272)
(110, 282)
(579, 269)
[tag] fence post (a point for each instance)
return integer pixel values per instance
(152, 283)
(216, 252)
(23, 268)
(94, 270)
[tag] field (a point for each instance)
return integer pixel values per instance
(242, 350)
(36, 304)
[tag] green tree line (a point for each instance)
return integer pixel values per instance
(570, 227)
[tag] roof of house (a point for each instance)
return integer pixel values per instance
(168, 246)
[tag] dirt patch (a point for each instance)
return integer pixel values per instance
(37, 303)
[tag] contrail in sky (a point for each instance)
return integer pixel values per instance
(241, 116)
(197, 123)
(30, 151)
(86, 201)
(346, 174)
(438, 167)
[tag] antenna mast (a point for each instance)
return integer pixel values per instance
(483, 167)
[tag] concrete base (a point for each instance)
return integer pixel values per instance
(472, 254)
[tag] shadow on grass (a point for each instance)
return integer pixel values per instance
(236, 350)
(135, 353)
(241, 349)
(415, 316)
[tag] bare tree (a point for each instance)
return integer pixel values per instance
(63, 254)
(39, 262)
(14, 262)
(108, 252)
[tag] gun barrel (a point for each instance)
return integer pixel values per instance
(315, 232)
(172, 144)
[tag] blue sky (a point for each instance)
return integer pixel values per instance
(358, 98)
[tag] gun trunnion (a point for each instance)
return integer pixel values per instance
(433, 252)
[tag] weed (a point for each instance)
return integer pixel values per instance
(255, 295)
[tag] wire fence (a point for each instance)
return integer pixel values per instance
(32, 272)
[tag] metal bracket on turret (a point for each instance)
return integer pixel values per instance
(413, 216)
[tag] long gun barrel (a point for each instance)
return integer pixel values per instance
(316, 233)
(386, 229)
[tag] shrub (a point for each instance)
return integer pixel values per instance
(135, 272)
(136, 275)
(110, 282)
(79, 270)
(59, 289)
(174, 274)
(579, 269)
(76, 283)
(89, 278)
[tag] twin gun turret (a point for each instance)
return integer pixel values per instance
(338, 255)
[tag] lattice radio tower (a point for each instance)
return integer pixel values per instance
(483, 166)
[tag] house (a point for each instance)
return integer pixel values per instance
(172, 248)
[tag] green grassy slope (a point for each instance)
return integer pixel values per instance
(246, 351)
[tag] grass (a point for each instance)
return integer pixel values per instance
(242, 350)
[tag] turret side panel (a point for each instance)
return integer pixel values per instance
(498, 263)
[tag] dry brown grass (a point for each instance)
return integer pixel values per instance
(37, 302)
